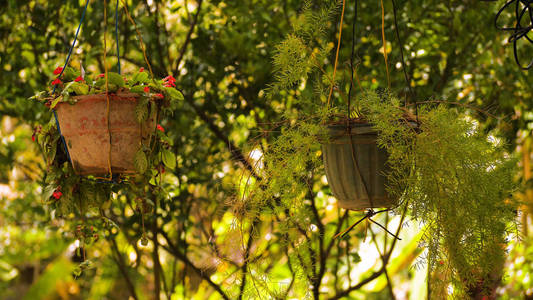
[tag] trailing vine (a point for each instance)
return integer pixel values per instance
(81, 198)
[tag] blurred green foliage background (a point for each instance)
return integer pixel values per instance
(220, 52)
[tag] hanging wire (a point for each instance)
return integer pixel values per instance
(112, 178)
(60, 74)
(370, 212)
(348, 120)
(400, 44)
(368, 215)
(351, 60)
(139, 36)
(116, 37)
(108, 104)
(523, 14)
(73, 43)
(384, 43)
(404, 66)
(336, 55)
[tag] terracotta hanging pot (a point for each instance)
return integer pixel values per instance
(362, 185)
(88, 138)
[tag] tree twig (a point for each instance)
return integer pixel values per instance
(122, 267)
(176, 253)
(188, 37)
(236, 153)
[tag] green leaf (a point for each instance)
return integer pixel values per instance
(88, 195)
(48, 191)
(165, 138)
(169, 159)
(141, 77)
(141, 110)
(70, 74)
(79, 88)
(156, 85)
(102, 197)
(56, 101)
(67, 88)
(116, 79)
(40, 96)
(174, 94)
(140, 162)
(49, 145)
(100, 82)
(153, 109)
(138, 89)
(52, 150)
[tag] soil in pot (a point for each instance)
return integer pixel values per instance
(88, 138)
(356, 167)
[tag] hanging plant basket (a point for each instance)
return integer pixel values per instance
(356, 167)
(88, 138)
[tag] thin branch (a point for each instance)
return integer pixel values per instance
(188, 37)
(159, 47)
(389, 283)
(369, 279)
(236, 153)
(175, 252)
(122, 267)
(244, 268)
(378, 273)
(155, 258)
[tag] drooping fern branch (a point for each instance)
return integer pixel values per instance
(455, 181)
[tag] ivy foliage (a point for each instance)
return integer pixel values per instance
(72, 196)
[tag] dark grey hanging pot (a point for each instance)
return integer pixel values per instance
(361, 183)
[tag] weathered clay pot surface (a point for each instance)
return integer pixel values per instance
(341, 171)
(84, 127)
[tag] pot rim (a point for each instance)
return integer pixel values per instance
(120, 96)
